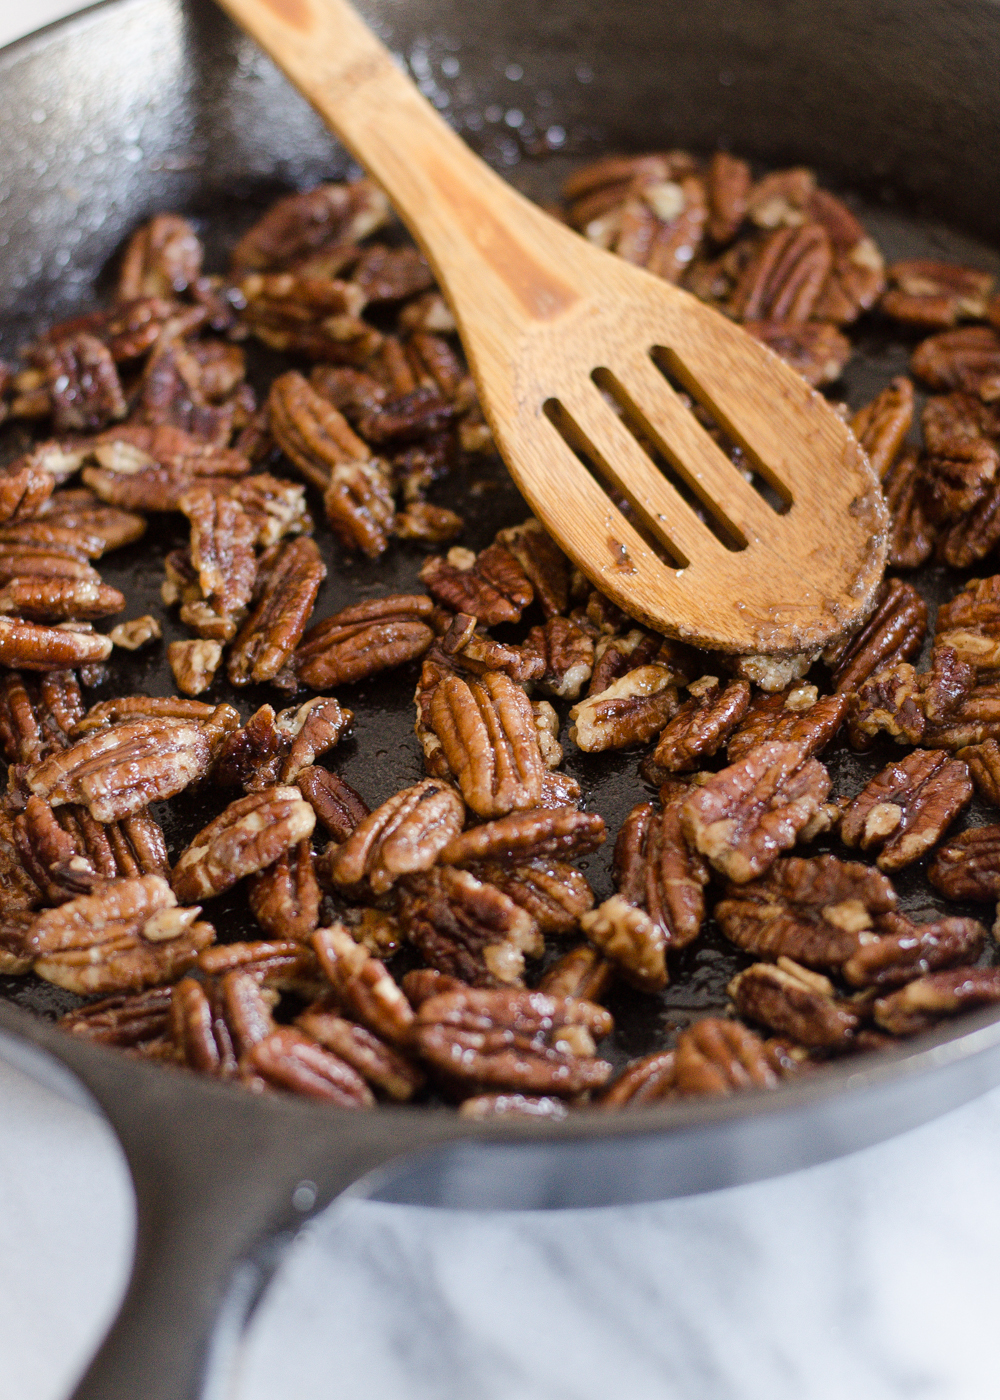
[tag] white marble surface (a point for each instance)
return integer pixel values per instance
(874, 1277)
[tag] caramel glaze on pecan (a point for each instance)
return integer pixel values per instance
(796, 715)
(699, 728)
(363, 639)
(512, 1039)
(402, 837)
(793, 1001)
(489, 741)
(922, 1003)
(555, 894)
(907, 807)
(289, 579)
(744, 816)
(893, 633)
(248, 836)
(905, 950)
(468, 928)
(285, 897)
(336, 804)
(714, 1056)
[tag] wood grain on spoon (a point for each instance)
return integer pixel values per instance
(571, 349)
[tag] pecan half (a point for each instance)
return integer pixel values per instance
(797, 715)
(983, 762)
(310, 431)
(745, 815)
(714, 1056)
(818, 911)
(115, 772)
(149, 468)
(785, 275)
(975, 719)
(492, 586)
(124, 1021)
(567, 653)
(288, 1059)
(194, 664)
(911, 532)
(309, 222)
(31, 646)
(966, 359)
(248, 836)
(957, 481)
(405, 835)
(728, 189)
(128, 935)
(525, 836)
(36, 717)
(362, 986)
(280, 964)
(814, 349)
(467, 928)
(359, 507)
(83, 384)
(970, 623)
(385, 1070)
(902, 702)
(516, 1040)
(642, 1082)
(968, 865)
(792, 1001)
(656, 871)
(894, 632)
(365, 638)
(213, 1028)
(161, 259)
(274, 627)
(543, 562)
(489, 740)
(582, 972)
(630, 711)
(308, 315)
(881, 426)
(285, 898)
(222, 552)
(930, 294)
(907, 807)
(700, 727)
(553, 893)
(907, 950)
(921, 1004)
(631, 940)
(470, 649)
(334, 801)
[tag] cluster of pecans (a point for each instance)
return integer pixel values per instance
(470, 878)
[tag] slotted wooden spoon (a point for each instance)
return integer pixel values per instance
(568, 345)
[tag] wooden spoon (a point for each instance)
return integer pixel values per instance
(568, 345)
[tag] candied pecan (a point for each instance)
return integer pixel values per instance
(782, 198)
(119, 770)
(284, 965)
(422, 521)
(488, 737)
(52, 857)
(304, 314)
(467, 928)
(818, 912)
(934, 295)
(125, 709)
(728, 188)
(405, 835)
(746, 814)
(798, 715)
(302, 224)
(124, 1021)
(656, 871)
(921, 1004)
(285, 898)
(36, 717)
(911, 532)
(958, 479)
(893, 633)
(491, 586)
(362, 987)
(222, 553)
(700, 727)
(20, 561)
(714, 1056)
(630, 711)
(814, 349)
(975, 719)
(553, 893)
(308, 730)
(359, 507)
(274, 626)
(24, 491)
(334, 801)
(310, 431)
(881, 426)
(385, 1070)
(634, 942)
(970, 623)
(951, 418)
(485, 1106)
(544, 563)
(888, 701)
(374, 929)
(34, 647)
(249, 835)
(967, 866)
(966, 359)
(566, 651)
(615, 656)
(409, 418)
(641, 1082)
(214, 1028)
(906, 950)
(983, 761)
(150, 468)
(365, 638)
(138, 632)
(795, 1002)
(784, 276)
(194, 664)
(474, 650)
(82, 512)
(277, 508)
(83, 385)
(178, 387)
(288, 1059)
(583, 972)
(512, 1039)
(907, 807)
(161, 259)
(128, 935)
(524, 836)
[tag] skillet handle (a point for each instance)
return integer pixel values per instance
(217, 1173)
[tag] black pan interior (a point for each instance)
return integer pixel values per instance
(178, 111)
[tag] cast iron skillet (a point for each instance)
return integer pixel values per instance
(142, 105)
